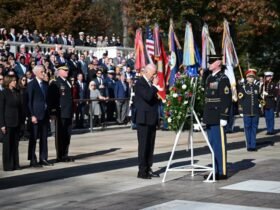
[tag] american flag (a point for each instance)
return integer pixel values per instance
(150, 44)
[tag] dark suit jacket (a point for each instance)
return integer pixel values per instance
(60, 99)
(10, 108)
(37, 99)
(146, 103)
(103, 91)
(120, 92)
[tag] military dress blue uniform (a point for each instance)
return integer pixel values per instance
(218, 98)
(270, 89)
(249, 96)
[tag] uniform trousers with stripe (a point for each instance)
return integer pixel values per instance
(250, 127)
(269, 119)
(217, 139)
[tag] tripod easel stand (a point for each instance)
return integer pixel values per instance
(192, 167)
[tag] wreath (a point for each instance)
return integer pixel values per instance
(178, 101)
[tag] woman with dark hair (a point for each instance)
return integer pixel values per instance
(22, 87)
(10, 111)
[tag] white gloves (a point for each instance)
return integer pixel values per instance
(265, 93)
(223, 123)
(241, 115)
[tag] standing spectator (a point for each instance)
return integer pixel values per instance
(118, 60)
(81, 40)
(10, 110)
(37, 91)
(87, 41)
(110, 84)
(70, 40)
(61, 102)
(82, 92)
(29, 75)
(121, 92)
(92, 69)
(23, 52)
(12, 35)
(21, 68)
(83, 67)
(75, 93)
(118, 42)
(94, 93)
(61, 60)
(101, 86)
(36, 38)
(52, 39)
(73, 66)
(93, 41)
(99, 41)
(62, 39)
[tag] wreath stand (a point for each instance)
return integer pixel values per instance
(192, 167)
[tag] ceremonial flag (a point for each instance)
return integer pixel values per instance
(139, 51)
(175, 55)
(157, 40)
(150, 44)
(208, 47)
(191, 57)
(230, 59)
(161, 62)
(189, 51)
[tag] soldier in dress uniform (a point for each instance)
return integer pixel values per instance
(217, 103)
(269, 94)
(249, 96)
(61, 109)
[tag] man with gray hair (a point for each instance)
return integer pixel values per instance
(146, 102)
(37, 91)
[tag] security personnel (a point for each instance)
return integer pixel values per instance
(217, 103)
(61, 108)
(269, 95)
(249, 96)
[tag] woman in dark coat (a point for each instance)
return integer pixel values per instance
(10, 109)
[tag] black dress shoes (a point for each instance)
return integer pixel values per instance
(34, 164)
(153, 174)
(252, 150)
(65, 159)
(45, 163)
(143, 175)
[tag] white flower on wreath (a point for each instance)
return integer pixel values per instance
(186, 102)
(179, 117)
(184, 86)
(175, 95)
(169, 120)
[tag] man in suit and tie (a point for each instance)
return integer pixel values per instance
(37, 91)
(146, 102)
(82, 92)
(61, 107)
(83, 67)
(121, 91)
(101, 86)
(20, 67)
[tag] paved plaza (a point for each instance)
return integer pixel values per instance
(104, 175)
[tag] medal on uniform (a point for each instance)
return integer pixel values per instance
(226, 91)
